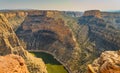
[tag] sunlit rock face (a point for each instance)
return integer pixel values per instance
(12, 64)
(95, 13)
(58, 37)
(10, 44)
(108, 62)
(46, 31)
(15, 18)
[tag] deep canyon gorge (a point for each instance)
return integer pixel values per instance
(81, 42)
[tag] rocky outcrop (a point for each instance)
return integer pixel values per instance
(9, 44)
(94, 13)
(52, 13)
(12, 64)
(108, 62)
(15, 18)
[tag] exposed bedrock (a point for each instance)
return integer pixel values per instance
(108, 62)
(10, 44)
(48, 33)
(12, 64)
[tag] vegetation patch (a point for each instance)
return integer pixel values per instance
(53, 66)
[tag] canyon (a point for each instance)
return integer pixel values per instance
(10, 44)
(74, 39)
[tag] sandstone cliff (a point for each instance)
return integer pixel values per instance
(47, 31)
(68, 39)
(9, 44)
(108, 62)
(100, 33)
(95, 13)
(12, 64)
(75, 42)
(94, 37)
(15, 18)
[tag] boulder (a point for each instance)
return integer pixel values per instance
(12, 64)
(108, 62)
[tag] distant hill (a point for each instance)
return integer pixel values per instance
(112, 11)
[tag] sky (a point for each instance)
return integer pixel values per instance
(62, 5)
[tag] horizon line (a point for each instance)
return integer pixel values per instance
(61, 10)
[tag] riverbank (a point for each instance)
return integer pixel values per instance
(53, 66)
(53, 56)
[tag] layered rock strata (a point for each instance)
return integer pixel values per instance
(10, 44)
(95, 13)
(108, 62)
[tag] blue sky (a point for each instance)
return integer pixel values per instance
(68, 5)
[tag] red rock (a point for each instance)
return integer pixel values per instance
(12, 64)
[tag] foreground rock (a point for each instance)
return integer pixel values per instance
(108, 62)
(10, 44)
(12, 64)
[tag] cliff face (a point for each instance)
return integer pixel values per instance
(9, 44)
(112, 18)
(95, 36)
(12, 63)
(108, 62)
(45, 29)
(59, 34)
(99, 32)
(75, 43)
(48, 32)
(95, 13)
(15, 18)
